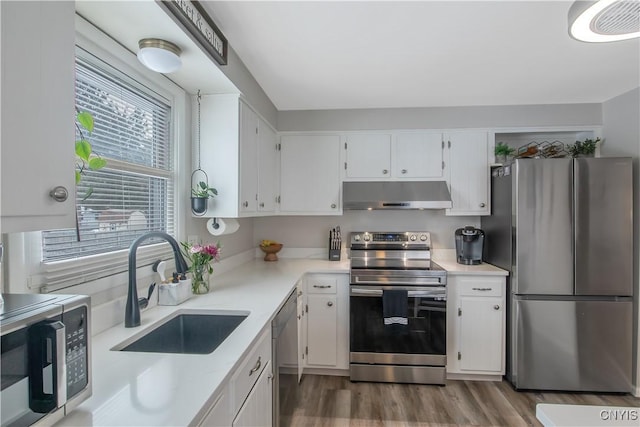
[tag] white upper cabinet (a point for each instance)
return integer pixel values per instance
(248, 160)
(368, 156)
(234, 139)
(418, 155)
(468, 164)
(38, 40)
(310, 174)
(268, 167)
(402, 155)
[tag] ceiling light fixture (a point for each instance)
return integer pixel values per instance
(604, 20)
(159, 55)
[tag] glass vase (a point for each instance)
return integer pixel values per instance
(200, 280)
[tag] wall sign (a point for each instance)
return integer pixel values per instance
(192, 17)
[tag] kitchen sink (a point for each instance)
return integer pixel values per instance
(186, 332)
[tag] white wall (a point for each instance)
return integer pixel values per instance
(442, 117)
(621, 131)
(313, 232)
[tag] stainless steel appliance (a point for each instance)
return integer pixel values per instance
(397, 302)
(563, 227)
(395, 195)
(45, 357)
(286, 367)
(469, 245)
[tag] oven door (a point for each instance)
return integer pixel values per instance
(377, 338)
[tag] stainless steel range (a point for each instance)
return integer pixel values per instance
(397, 300)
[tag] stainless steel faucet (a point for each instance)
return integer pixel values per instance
(132, 310)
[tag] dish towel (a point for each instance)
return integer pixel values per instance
(395, 304)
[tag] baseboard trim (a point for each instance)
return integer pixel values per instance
(326, 371)
(474, 377)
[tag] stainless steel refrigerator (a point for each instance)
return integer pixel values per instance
(563, 228)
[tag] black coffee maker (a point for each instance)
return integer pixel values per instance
(469, 245)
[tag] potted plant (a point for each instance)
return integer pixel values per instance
(199, 196)
(586, 148)
(502, 151)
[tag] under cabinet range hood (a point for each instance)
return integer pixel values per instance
(395, 195)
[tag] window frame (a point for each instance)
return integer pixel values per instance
(80, 273)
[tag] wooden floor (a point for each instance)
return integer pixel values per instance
(335, 401)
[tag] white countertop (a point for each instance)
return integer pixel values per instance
(586, 415)
(454, 268)
(162, 389)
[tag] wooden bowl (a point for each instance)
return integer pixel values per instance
(271, 251)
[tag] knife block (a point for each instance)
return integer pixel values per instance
(334, 253)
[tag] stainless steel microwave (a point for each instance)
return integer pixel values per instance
(45, 360)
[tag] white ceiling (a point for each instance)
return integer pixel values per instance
(330, 54)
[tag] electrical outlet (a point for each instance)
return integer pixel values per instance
(193, 240)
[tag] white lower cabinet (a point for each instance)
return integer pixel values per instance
(257, 409)
(327, 321)
(247, 399)
(219, 414)
(476, 325)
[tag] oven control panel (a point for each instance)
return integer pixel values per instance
(402, 239)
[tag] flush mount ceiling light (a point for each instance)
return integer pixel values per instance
(604, 20)
(159, 55)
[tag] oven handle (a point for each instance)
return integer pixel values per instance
(399, 281)
(439, 292)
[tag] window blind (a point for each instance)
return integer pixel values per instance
(134, 193)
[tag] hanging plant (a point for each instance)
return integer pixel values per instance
(199, 197)
(201, 192)
(85, 157)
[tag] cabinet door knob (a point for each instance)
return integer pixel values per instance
(59, 194)
(385, 171)
(404, 171)
(482, 205)
(333, 205)
(496, 307)
(330, 303)
(245, 204)
(262, 205)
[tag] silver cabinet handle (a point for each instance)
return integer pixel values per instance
(255, 368)
(245, 204)
(385, 171)
(333, 205)
(262, 205)
(496, 307)
(482, 205)
(322, 286)
(59, 194)
(404, 171)
(481, 289)
(330, 304)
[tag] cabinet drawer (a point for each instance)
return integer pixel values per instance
(249, 371)
(481, 286)
(322, 285)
